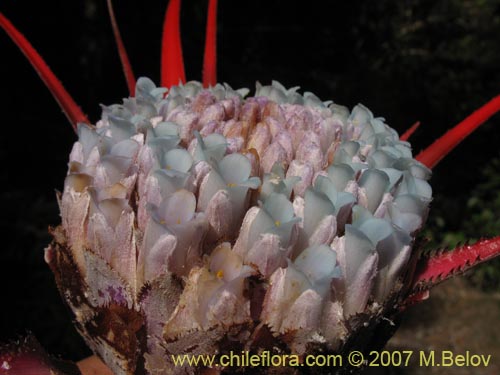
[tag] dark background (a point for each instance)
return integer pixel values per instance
(434, 61)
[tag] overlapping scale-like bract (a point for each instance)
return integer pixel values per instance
(277, 212)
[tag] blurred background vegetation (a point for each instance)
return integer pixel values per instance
(429, 60)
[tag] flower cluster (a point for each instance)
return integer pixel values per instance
(277, 211)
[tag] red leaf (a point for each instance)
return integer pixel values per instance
(441, 265)
(172, 63)
(441, 147)
(407, 134)
(127, 68)
(210, 57)
(66, 102)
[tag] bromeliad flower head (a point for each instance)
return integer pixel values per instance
(209, 196)
(197, 219)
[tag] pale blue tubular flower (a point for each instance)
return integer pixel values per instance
(323, 208)
(268, 234)
(277, 217)
(173, 236)
(119, 166)
(358, 260)
(275, 182)
(298, 293)
(120, 129)
(360, 115)
(393, 246)
(164, 168)
(210, 149)
(408, 212)
(223, 193)
(145, 89)
(374, 184)
(279, 94)
(213, 295)
(226, 92)
(319, 264)
(89, 147)
(166, 129)
(340, 174)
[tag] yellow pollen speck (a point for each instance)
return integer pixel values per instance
(277, 223)
(220, 274)
(168, 167)
(162, 222)
(230, 184)
(178, 221)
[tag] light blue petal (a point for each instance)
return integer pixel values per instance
(121, 129)
(162, 145)
(408, 212)
(378, 125)
(213, 184)
(357, 248)
(340, 175)
(251, 183)
(316, 207)
(166, 128)
(88, 138)
(360, 215)
(344, 199)
(360, 115)
(283, 230)
(318, 263)
(145, 89)
(395, 177)
(170, 182)
(368, 134)
(279, 207)
(390, 247)
(116, 167)
(376, 229)
(126, 149)
(375, 183)
(351, 147)
(116, 110)
(178, 208)
(144, 109)
(235, 168)
(324, 185)
(275, 182)
(260, 225)
(211, 148)
(312, 100)
(177, 159)
(422, 188)
(191, 89)
(381, 159)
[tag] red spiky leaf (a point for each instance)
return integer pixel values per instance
(441, 147)
(441, 265)
(66, 102)
(408, 133)
(210, 57)
(172, 63)
(127, 67)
